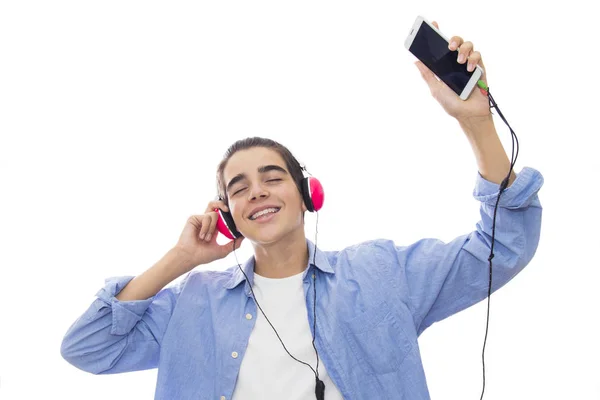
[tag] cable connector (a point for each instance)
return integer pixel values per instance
(483, 88)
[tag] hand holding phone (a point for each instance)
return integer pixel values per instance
(431, 47)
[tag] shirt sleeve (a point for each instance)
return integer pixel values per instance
(115, 336)
(439, 279)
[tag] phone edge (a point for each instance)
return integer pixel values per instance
(470, 86)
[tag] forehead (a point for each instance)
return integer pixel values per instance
(248, 161)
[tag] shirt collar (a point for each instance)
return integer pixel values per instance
(320, 259)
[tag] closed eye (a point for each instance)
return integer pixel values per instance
(270, 180)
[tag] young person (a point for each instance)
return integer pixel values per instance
(293, 318)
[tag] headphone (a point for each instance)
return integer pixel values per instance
(312, 194)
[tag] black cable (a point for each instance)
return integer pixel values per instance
(503, 187)
(320, 386)
(315, 298)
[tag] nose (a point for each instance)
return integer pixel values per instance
(258, 191)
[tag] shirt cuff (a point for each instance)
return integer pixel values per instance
(518, 195)
(125, 314)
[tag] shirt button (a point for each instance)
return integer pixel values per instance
(248, 316)
(222, 397)
(234, 354)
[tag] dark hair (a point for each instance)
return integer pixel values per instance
(292, 164)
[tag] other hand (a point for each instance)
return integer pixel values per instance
(198, 240)
(477, 105)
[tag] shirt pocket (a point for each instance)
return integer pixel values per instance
(377, 339)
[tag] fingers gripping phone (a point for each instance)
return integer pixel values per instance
(430, 46)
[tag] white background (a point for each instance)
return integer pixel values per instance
(115, 114)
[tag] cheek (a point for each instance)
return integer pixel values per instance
(235, 211)
(298, 202)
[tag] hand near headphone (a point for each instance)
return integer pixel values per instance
(199, 237)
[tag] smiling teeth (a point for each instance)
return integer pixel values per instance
(263, 212)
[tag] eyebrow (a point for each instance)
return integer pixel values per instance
(261, 170)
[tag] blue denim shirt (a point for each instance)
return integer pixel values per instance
(374, 299)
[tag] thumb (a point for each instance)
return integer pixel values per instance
(427, 75)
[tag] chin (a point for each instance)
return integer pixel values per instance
(265, 238)
(269, 235)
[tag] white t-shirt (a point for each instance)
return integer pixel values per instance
(267, 371)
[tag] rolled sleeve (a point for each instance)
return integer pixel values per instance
(520, 194)
(115, 336)
(125, 314)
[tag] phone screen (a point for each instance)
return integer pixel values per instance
(432, 49)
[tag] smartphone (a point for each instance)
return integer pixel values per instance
(430, 46)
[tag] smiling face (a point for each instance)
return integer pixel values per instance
(257, 179)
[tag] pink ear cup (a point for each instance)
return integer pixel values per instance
(222, 226)
(317, 194)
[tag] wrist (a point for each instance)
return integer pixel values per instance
(476, 123)
(175, 263)
(478, 128)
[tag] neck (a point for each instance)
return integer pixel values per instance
(287, 257)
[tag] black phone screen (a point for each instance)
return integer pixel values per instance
(432, 49)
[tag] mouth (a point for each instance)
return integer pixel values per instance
(264, 214)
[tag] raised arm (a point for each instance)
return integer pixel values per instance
(437, 279)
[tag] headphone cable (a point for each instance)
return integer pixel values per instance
(485, 90)
(320, 386)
